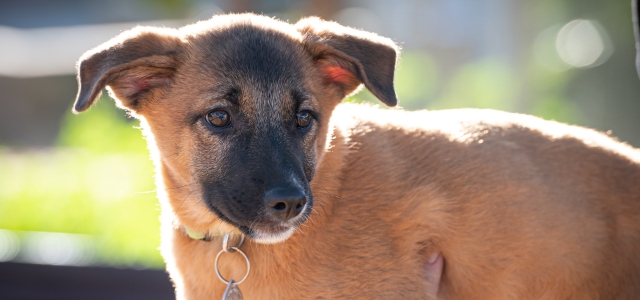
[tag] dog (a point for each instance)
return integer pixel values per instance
(244, 124)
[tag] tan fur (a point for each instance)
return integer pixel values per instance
(519, 207)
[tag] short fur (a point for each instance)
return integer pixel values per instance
(518, 207)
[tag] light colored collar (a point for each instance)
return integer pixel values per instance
(206, 236)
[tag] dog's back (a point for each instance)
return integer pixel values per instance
(535, 209)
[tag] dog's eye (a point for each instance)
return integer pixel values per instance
(218, 118)
(303, 119)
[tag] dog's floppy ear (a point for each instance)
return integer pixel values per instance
(133, 65)
(348, 57)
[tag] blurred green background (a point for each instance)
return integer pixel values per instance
(78, 189)
(96, 181)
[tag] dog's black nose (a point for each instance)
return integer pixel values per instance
(285, 203)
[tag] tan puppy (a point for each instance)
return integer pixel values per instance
(360, 203)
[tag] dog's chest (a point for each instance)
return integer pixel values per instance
(337, 264)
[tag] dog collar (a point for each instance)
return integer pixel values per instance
(206, 236)
(196, 235)
(232, 291)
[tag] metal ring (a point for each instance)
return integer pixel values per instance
(225, 243)
(235, 249)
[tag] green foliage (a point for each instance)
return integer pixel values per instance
(416, 79)
(555, 108)
(102, 129)
(97, 182)
(480, 84)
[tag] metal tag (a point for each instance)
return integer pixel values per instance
(232, 292)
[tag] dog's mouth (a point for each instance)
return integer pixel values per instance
(267, 230)
(269, 235)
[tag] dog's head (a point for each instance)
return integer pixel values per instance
(237, 110)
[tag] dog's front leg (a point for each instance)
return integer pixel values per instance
(433, 268)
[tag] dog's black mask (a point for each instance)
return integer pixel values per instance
(260, 162)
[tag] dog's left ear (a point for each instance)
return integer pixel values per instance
(348, 57)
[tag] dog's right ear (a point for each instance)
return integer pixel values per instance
(134, 65)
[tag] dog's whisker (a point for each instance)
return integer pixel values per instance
(313, 210)
(179, 187)
(251, 226)
(170, 155)
(333, 171)
(321, 205)
(147, 192)
(267, 249)
(300, 230)
(326, 191)
(310, 219)
(183, 200)
(166, 189)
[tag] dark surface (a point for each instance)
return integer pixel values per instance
(27, 281)
(636, 30)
